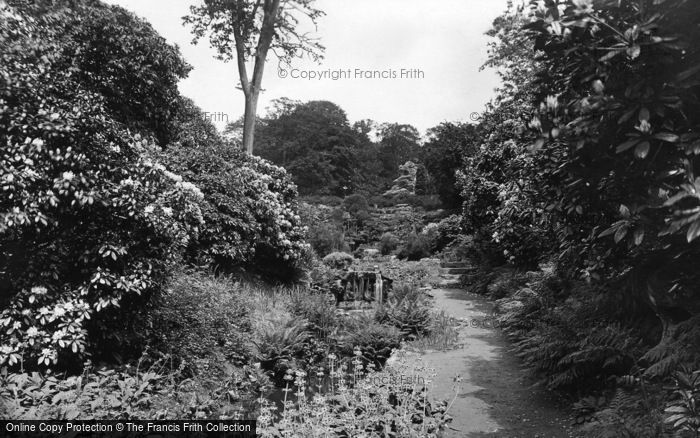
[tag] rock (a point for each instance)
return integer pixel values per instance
(370, 252)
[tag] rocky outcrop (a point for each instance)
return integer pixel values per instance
(405, 184)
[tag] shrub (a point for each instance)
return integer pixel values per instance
(326, 238)
(89, 224)
(356, 205)
(251, 212)
(407, 309)
(417, 246)
(338, 260)
(202, 322)
(388, 243)
(278, 337)
(375, 340)
(570, 343)
(317, 309)
(448, 230)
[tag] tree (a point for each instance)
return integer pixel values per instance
(398, 143)
(442, 155)
(249, 29)
(315, 142)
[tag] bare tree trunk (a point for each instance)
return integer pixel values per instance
(251, 104)
(251, 89)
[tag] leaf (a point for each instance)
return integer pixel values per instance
(620, 234)
(610, 55)
(642, 150)
(667, 136)
(693, 231)
(638, 236)
(688, 73)
(627, 145)
(624, 211)
(675, 198)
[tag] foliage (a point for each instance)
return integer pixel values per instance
(115, 54)
(417, 246)
(246, 31)
(571, 339)
(442, 334)
(684, 411)
(398, 144)
(127, 393)
(394, 401)
(407, 309)
(317, 309)
(619, 121)
(250, 210)
(279, 337)
(67, 164)
(388, 243)
(96, 394)
(338, 260)
(327, 238)
(316, 144)
(358, 207)
(442, 155)
(202, 324)
(375, 340)
(448, 230)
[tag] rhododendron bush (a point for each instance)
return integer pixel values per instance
(92, 221)
(250, 211)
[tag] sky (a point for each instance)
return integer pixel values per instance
(438, 47)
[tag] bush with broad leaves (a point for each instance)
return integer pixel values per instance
(89, 223)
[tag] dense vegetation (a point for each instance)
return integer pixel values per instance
(133, 233)
(586, 163)
(110, 181)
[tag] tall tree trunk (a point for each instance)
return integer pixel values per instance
(251, 105)
(251, 89)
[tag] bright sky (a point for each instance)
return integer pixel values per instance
(440, 44)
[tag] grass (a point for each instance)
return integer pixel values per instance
(443, 334)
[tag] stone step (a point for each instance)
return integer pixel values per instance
(454, 264)
(449, 284)
(456, 271)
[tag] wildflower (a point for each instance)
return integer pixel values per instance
(168, 211)
(32, 332)
(68, 176)
(148, 209)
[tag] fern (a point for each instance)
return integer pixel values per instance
(680, 348)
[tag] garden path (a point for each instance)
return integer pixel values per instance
(494, 398)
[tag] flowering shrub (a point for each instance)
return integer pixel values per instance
(250, 209)
(88, 222)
